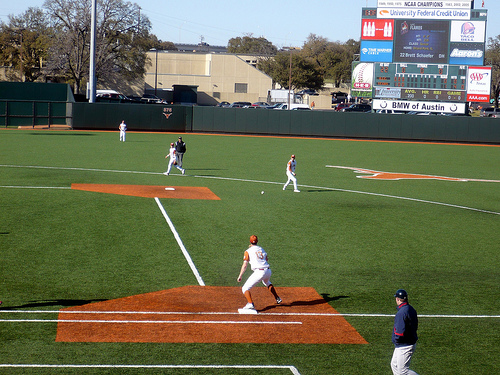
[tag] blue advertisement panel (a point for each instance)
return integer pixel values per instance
(467, 54)
(376, 51)
(423, 42)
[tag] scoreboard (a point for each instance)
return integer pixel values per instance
(414, 81)
(422, 51)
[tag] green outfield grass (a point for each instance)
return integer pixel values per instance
(356, 241)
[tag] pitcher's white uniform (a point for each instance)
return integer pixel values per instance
(290, 172)
(171, 155)
(257, 257)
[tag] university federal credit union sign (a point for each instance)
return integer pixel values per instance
(437, 10)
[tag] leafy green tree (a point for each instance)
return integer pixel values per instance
(333, 59)
(304, 74)
(24, 44)
(160, 45)
(251, 45)
(493, 59)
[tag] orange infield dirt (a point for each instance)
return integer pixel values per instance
(208, 314)
(174, 192)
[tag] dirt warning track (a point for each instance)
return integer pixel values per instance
(207, 314)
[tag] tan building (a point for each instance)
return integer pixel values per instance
(219, 76)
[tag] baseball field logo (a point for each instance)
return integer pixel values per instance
(167, 112)
(380, 175)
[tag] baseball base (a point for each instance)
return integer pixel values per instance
(247, 311)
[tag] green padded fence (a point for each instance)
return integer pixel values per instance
(347, 125)
(35, 104)
(148, 117)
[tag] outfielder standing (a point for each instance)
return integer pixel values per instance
(123, 130)
(404, 335)
(173, 160)
(290, 172)
(257, 257)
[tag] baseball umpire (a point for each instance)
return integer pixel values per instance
(404, 335)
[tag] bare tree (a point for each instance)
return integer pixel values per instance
(122, 40)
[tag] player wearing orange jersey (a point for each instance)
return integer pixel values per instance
(258, 260)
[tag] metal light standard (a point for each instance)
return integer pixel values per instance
(156, 67)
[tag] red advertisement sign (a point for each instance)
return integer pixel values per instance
(377, 29)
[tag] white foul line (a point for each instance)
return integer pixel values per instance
(364, 315)
(179, 242)
(142, 321)
(292, 369)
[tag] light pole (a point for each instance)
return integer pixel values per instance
(156, 68)
(290, 79)
(92, 79)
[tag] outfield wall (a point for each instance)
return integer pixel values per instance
(348, 125)
(179, 118)
(150, 117)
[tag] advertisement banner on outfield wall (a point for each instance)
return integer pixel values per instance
(478, 83)
(419, 106)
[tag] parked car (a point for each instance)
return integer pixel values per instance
(358, 108)
(260, 105)
(341, 106)
(114, 98)
(417, 113)
(224, 104)
(293, 106)
(390, 111)
(240, 105)
(338, 97)
(489, 112)
(308, 92)
(150, 98)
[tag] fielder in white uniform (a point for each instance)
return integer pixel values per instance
(123, 130)
(257, 258)
(173, 160)
(290, 172)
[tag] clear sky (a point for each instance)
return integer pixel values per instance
(284, 23)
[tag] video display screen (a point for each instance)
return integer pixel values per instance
(424, 42)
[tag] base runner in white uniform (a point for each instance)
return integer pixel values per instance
(256, 256)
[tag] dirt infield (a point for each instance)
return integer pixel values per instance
(207, 314)
(147, 191)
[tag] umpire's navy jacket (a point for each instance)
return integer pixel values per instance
(405, 326)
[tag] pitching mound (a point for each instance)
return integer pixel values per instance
(207, 314)
(147, 191)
